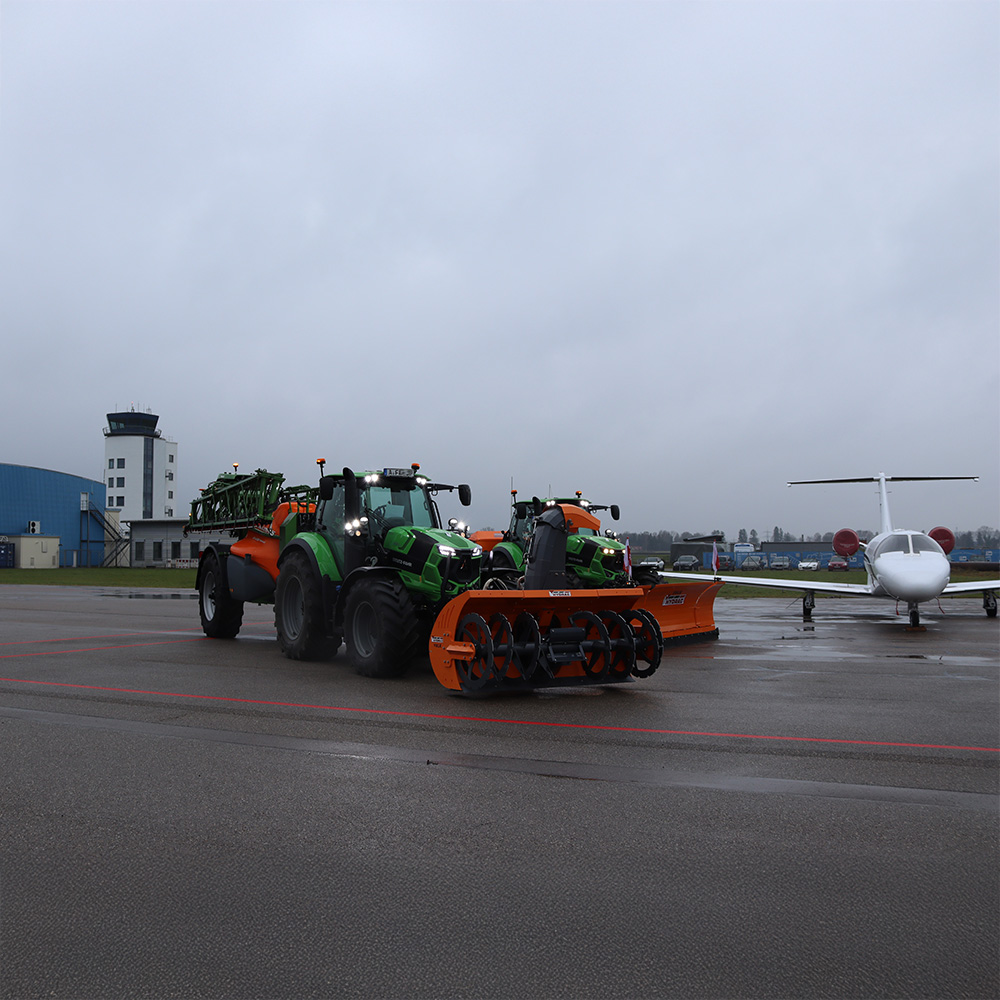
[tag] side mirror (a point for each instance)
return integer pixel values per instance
(326, 488)
(352, 498)
(615, 512)
(537, 506)
(521, 511)
(464, 494)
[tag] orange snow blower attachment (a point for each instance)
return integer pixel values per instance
(547, 634)
(488, 640)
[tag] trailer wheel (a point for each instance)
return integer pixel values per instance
(380, 627)
(298, 610)
(221, 616)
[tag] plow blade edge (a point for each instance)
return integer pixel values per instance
(685, 611)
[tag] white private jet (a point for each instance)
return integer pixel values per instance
(902, 564)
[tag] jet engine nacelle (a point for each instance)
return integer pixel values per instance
(945, 537)
(846, 542)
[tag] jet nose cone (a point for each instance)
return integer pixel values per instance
(913, 576)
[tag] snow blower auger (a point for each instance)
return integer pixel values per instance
(545, 635)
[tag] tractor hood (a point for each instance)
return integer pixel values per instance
(440, 563)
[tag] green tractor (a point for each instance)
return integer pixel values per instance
(363, 559)
(593, 559)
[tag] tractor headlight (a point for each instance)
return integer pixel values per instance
(609, 552)
(477, 552)
(448, 551)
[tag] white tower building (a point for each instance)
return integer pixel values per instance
(140, 467)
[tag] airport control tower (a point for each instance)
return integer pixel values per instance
(140, 466)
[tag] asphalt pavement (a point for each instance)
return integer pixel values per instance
(793, 810)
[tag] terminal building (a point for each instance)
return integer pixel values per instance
(50, 519)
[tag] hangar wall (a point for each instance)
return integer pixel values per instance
(52, 500)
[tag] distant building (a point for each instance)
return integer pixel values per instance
(161, 542)
(54, 519)
(140, 467)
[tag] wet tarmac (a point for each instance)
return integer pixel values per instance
(793, 810)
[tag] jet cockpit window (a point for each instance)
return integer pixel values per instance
(924, 543)
(893, 543)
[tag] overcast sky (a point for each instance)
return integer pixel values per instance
(669, 254)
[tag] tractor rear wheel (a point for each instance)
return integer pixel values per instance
(221, 616)
(298, 610)
(380, 627)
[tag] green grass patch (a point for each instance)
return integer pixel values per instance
(94, 576)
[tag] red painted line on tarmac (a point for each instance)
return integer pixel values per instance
(97, 649)
(508, 722)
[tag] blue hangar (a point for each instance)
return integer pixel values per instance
(52, 518)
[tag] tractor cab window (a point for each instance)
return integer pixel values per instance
(520, 528)
(924, 543)
(333, 510)
(392, 505)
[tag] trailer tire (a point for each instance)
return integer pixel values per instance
(380, 627)
(298, 610)
(221, 616)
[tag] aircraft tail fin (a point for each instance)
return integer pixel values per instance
(882, 479)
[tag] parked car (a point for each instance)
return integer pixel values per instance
(809, 562)
(687, 564)
(725, 560)
(781, 562)
(754, 561)
(652, 562)
(837, 562)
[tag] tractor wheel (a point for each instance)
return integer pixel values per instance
(502, 560)
(380, 627)
(221, 616)
(298, 610)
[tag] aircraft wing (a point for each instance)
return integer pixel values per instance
(816, 586)
(967, 586)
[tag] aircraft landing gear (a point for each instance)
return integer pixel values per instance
(809, 602)
(990, 603)
(914, 616)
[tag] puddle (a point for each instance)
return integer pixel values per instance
(137, 596)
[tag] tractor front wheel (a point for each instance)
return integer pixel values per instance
(298, 610)
(380, 627)
(221, 616)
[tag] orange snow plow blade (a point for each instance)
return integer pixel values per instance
(685, 611)
(490, 640)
